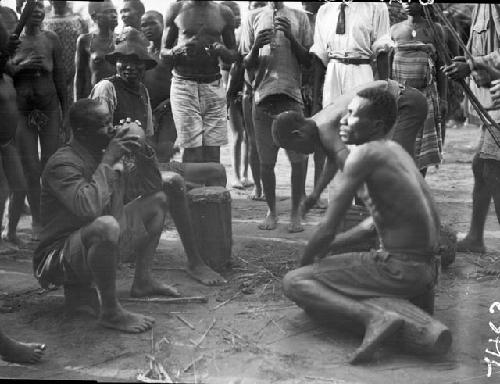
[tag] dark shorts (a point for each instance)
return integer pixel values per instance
(66, 261)
(486, 171)
(375, 274)
(263, 117)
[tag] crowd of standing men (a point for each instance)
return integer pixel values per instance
(109, 110)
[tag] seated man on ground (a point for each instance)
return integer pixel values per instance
(127, 98)
(411, 115)
(403, 214)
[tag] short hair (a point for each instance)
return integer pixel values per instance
(137, 5)
(80, 114)
(382, 106)
(95, 7)
(283, 126)
(232, 5)
(157, 15)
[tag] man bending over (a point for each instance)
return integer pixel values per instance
(403, 214)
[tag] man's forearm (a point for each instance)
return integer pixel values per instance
(251, 60)
(363, 231)
(300, 52)
(329, 171)
(318, 245)
(383, 65)
(227, 55)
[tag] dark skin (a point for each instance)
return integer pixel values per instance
(91, 66)
(131, 16)
(265, 36)
(192, 42)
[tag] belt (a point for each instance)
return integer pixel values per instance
(385, 255)
(350, 60)
(202, 80)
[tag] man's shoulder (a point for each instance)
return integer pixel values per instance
(66, 155)
(373, 151)
(51, 35)
(173, 10)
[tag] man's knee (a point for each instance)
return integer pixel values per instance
(159, 199)
(219, 177)
(295, 284)
(173, 182)
(105, 228)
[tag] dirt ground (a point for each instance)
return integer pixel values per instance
(258, 336)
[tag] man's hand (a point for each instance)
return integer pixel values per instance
(263, 38)
(119, 146)
(32, 62)
(495, 94)
(306, 204)
(458, 70)
(283, 24)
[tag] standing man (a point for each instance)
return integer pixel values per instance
(91, 49)
(197, 34)
(484, 41)
(275, 41)
(347, 36)
(131, 14)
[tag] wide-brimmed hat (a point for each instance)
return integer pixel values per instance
(132, 46)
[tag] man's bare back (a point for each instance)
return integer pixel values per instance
(198, 25)
(397, 197)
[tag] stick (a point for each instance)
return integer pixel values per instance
(25, 15)
(225, 302)
(205, 334)
(165, 300)
(192, 363)
(185, 322)
(321, 378)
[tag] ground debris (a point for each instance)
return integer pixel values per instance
(155, 374)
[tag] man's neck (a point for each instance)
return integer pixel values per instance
(276, 5)
(415, 19)
(105, 32)
(32, 30)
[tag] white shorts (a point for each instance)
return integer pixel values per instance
(341, 78)
(200, 113)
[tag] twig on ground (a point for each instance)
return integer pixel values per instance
(263, 289)
(277, 326)
(152, 341)
(205, 334)
(227, 301)
(260, 310)
(193, 362)
(322, 378)
(185, 322)
(167, 300)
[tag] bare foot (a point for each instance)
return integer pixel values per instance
(205, 275)
(257, 195)
(126, 321)
(295, 225)
(247, 183)
(35, 232)
(376, 331)
(269, 223)
(81, 299)
(17, 352)
(320, 204)
(468, 245)
(237, 184)
(14, 239)
(152, 287)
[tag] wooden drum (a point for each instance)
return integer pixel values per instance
(210, 209)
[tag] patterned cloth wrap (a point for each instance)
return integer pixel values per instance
(414, 65)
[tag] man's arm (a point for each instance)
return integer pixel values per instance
(59, 72)
(382, 39)
(318, 80)
(365, 230)
(441, 79)
(84, 198)
(170, 33)
(82, 74)
(228, 51)
(345, 186)
(302, 53)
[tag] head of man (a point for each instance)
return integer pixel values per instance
(9, 18)
(152, 25)
(370, 116)
(59, 6)
(37, 15)
(235, 8)
(131, 13)
(413, 8)
(131, 59)
(291, 130)
(256, 4)
(103, 14)
(91, 124)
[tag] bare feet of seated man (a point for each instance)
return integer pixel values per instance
(471, 245)
(21, 353)
(125, 321)
(205, 275)
(270, 222)
(151, 287)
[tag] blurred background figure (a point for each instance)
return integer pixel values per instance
(68, 26)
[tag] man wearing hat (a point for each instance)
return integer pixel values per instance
(127, 98)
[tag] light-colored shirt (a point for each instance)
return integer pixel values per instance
(367, 31)
(105, 91)
(278, 71)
